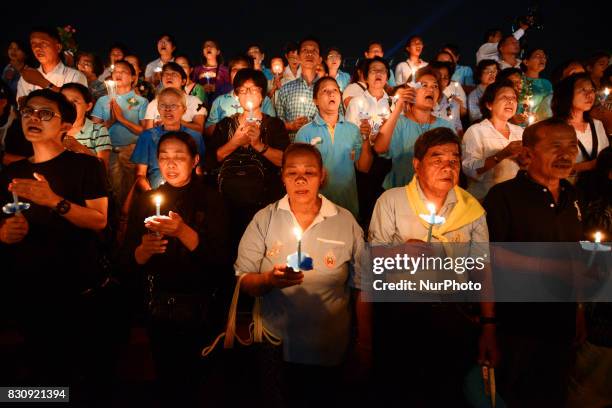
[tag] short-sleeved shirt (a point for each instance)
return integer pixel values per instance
(464, 75)
(586, 138)
(401, 149)
(480, 141)
(145, 151)
(195, 107)
(404, 70)
(295, 100)
(353, 90)
(221, 80)
(133, 107)
(343, 79)
(228, 105)
(94, 136)
(153, 65)
(376, 108)
(53, 243)
(340, 148)
(58, 76)
(312, 318)
(474, 103)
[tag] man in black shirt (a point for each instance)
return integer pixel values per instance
(538, 205)
(50, 252)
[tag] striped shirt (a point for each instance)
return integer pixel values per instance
(94, 136)
(295, 100)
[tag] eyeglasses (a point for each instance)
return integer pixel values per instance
(254, 89)
(173, 107)
(42, 114)
(586, 91)
(333, 57)
(489, 71)
(377, 71)
(169, 74)
(507, 99)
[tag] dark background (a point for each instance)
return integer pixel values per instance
(571, 28)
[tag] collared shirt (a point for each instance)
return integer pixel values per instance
(480, 141)
(366, 103)
(288, 75)
(94, 136)
(58, 76)
(464, 75)
(401, 149)
(474, 103)
(312, 318)
(295, 100)
(353, 90)
(586, 138)
(145, 151)
(343, 79)
(449, 111)
(503, 64)
(228, 105)
(151, 66)
(404, 69)
(267, 72)
(489, 50)
(391, 81)
(133, 107)
(195, 107)
(340, 150)
(456, 90)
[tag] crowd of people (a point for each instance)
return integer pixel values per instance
(144, 195)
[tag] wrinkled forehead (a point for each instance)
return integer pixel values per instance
(443, 150)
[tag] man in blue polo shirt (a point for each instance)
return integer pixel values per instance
(172, 106)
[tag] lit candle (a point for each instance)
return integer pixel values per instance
(111, 88)
(16, 203)
(249, 105)
(595, 249)
(277, 69)
(298, 235)
(413, 80)
(158, 201)
(607, 92)
(158, 69)
(432, 219)
(112, 67)
(531, 119)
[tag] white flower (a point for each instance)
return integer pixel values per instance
(315, 141)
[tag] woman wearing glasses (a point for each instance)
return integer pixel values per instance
(174, 76)
(245, 152)
(486, 72)
(171, 106)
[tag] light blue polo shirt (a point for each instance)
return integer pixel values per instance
(343, 79)
(401, 149)
(228, 105)
(133, 107)
(464, 75)
(339, 157)
(145, 151)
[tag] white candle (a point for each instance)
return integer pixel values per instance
(432, 214)
(112, 67)
(413, 80)
(16, 203)
(157, 200)
(531, 119)
(249, 105)
(298, 235)
(607, 92)
(111, 88)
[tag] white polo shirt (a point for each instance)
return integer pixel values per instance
(313, 319)
(151, 66)
(193, 103)
(403, 71)
(58, 76)
(366, 103)
(480, 141)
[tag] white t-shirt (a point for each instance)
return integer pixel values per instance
(403, 71)
(489, 50)
(480, 141)
(586, 139)
(192, 109)
(58, 76)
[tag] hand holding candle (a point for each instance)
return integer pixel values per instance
(16, 206)
(251, 117)
(432, 219)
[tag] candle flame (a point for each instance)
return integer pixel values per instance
(531, 119)
(607, 91)
(597, 237)
(158, 199)
(431, 208)
(298, 233)
(249, 105)
(302, 99)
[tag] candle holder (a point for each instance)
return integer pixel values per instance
(111, 88)
(594, 247)
(16, 206)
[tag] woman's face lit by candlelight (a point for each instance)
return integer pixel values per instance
(176, 162)
(303, 176)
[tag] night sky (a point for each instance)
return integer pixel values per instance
(571, 29)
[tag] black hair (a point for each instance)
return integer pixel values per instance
(181, 137)
(290, 47)
(370, 61)
(98, 68)
(482, 65)
(311, 39)
(255, 45)
(530, 135)
(360, 67)
(173, 66)
(170, 38)
(596, 56)
(503, 41)
(80, 88)
(563, 96)
(240, 58)
(184, 56)
(373, 42)
(120, 46)
(220, 59)
(254, 75)
(296, 148)
(454, 48)
(25, 48)
(489, 96)
(528, 54)
(435, 137)
(128, 65)
(51, 32)
(605, 81)
(411, 38)
(452, 61)
(506, 73)
(489, 33)
(66, 108)
(330, 49)
(438, 65)
(557, 74)
(319, 84)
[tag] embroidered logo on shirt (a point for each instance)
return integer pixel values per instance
(330, 259)
(316, 140)
(274, 250)
(132, 102)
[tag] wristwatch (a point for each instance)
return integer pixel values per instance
(62, 207)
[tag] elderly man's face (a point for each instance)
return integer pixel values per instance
(554, 154)
(438, 171)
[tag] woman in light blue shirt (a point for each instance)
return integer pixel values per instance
(341, 144)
